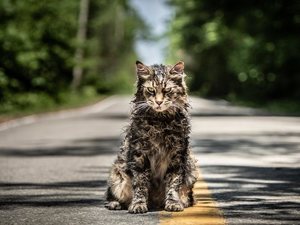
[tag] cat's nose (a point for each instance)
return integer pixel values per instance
(159, 102)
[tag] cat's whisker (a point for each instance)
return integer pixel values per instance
(148, 109)
(176, 106)
(141, 107)
(139, 102)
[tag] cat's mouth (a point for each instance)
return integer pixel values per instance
(160, 108)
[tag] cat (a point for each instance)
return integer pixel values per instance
(154, 168)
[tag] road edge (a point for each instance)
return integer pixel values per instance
(96, 107)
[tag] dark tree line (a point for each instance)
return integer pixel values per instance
(239, 49)
(233, 49)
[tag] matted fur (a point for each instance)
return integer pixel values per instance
(154, 168)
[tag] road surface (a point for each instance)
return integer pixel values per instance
(53, 169)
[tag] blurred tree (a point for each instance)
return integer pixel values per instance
(36, 46)
(111, 44)
(239, 49)
(81, 38)
(38, 43)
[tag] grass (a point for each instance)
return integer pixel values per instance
(42, 104)
(284, 107)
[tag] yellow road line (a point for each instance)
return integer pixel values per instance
(204, 212)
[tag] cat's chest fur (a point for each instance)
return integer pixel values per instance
(159, 157)
(161, 139)
(159, 163)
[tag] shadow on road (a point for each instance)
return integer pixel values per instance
(262, 193)
(84, 193)
(81, 147)
(265, 193)
(81, 192)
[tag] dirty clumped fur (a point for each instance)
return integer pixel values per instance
(154, 168)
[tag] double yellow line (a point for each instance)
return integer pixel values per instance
(205, 212)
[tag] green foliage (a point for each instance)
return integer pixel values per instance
(239, 49)
(29, 103)
(36, 52)
(37, 47)
(111, 44)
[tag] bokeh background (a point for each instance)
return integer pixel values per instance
(60, 53)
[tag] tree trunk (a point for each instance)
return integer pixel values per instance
(81, 37)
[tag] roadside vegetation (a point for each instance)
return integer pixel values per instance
(59, 54)
(242, 51)
(39, 40)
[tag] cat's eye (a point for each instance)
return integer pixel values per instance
(167, 90)
(150, 89)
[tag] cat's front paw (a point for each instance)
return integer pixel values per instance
(138, 208)
(173, 206)
(114, 205)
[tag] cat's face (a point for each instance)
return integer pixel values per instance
(163, 87)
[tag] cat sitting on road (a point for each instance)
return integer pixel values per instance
(154, 168)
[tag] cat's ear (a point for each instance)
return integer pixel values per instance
(177, 71)
(142, 70)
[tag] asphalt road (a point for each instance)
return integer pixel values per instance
(53, 169)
